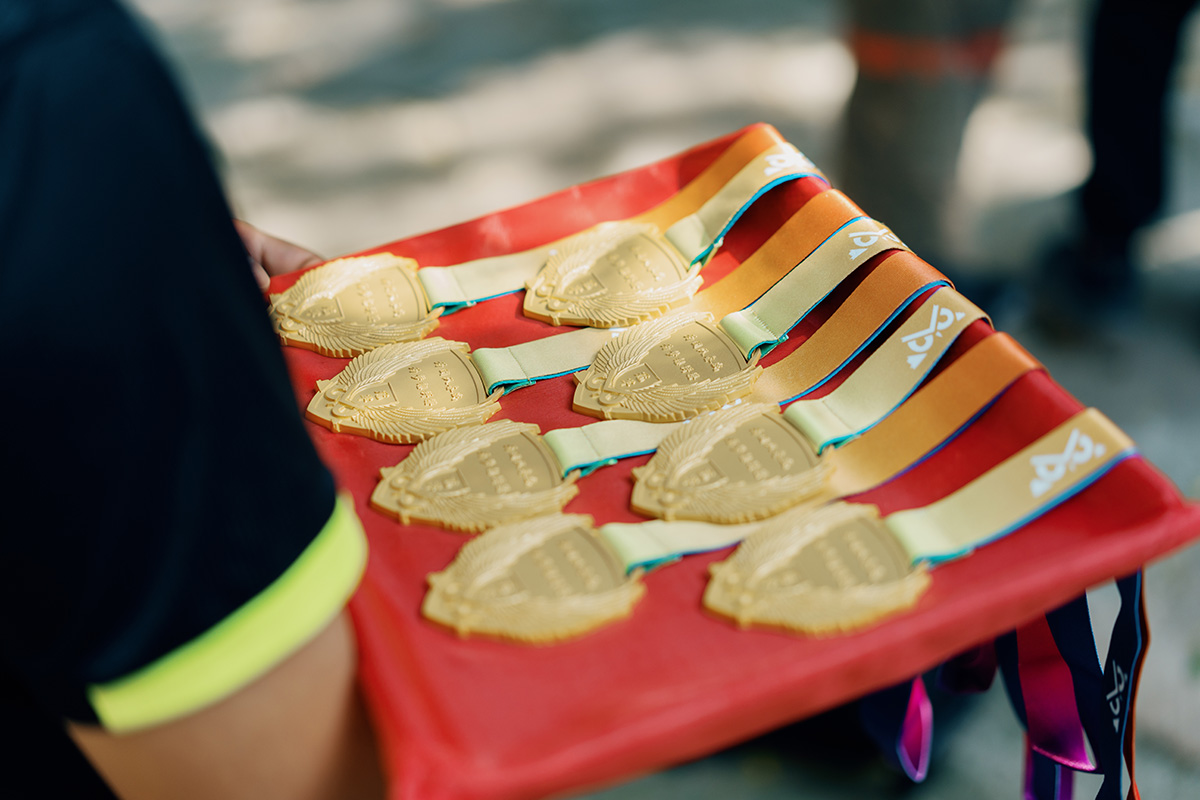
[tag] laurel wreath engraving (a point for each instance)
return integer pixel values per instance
(725, 501)
(453, 601)
(658, 402)
(404, 490)
(344, 338)
(392, 422)
(738, 587)
(603, 307)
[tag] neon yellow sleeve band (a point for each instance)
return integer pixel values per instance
(250, 641)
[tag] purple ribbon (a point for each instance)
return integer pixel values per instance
(1060, 693)
(900, 721)
(1046, 779)
(1106, 698)
(1051, 717)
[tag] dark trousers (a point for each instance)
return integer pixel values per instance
(1132, 51)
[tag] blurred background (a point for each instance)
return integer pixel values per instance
(343, 124)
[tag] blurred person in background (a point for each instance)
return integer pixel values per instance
(174, 563)
(923, 66)
(1132, 50)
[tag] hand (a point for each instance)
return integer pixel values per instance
(270, 256)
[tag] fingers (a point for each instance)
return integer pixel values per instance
(273, 256)
(260, 275)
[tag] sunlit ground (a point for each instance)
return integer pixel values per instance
(343, 124)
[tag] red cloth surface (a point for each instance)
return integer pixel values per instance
(474, 718)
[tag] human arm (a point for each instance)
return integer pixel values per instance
(300, 731)
(164, 477)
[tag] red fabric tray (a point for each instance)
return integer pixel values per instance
(483, 719)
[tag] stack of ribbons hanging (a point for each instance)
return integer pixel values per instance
(468, 717)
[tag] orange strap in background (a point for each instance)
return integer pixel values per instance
(888, 56)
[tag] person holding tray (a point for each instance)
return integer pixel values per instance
(174, 587)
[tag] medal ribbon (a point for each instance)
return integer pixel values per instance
(1048, 693)
(502, 369)
(509, 368)
(863, 401)
(900, 721)
(589, 447)
(1039, 685)
(874, 303)
(793, 244)
(762, 325)
(933, 415)
(695, 219)
(1045, 777)
(586, 448)
(1106, 697)
(1026, 485)
(1058, 465)
(697, 235)
(1083, 699)
(804, 232)
(881, 296)
(657, 542)
(889, 375)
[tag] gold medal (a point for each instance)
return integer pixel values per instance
(535, 581)
(682, 365)
(740, 464)
(665, 370)
(750, 462)
(352, 305)
(404, 393)
(474, 478)
(841, 567)
(612, 275)
(648, 262)
(826, 571)
(480, 476)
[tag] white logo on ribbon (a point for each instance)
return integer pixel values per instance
(1050, 469)
(864, 239)
(921, 341)
(1120, 678)
(787, 162)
